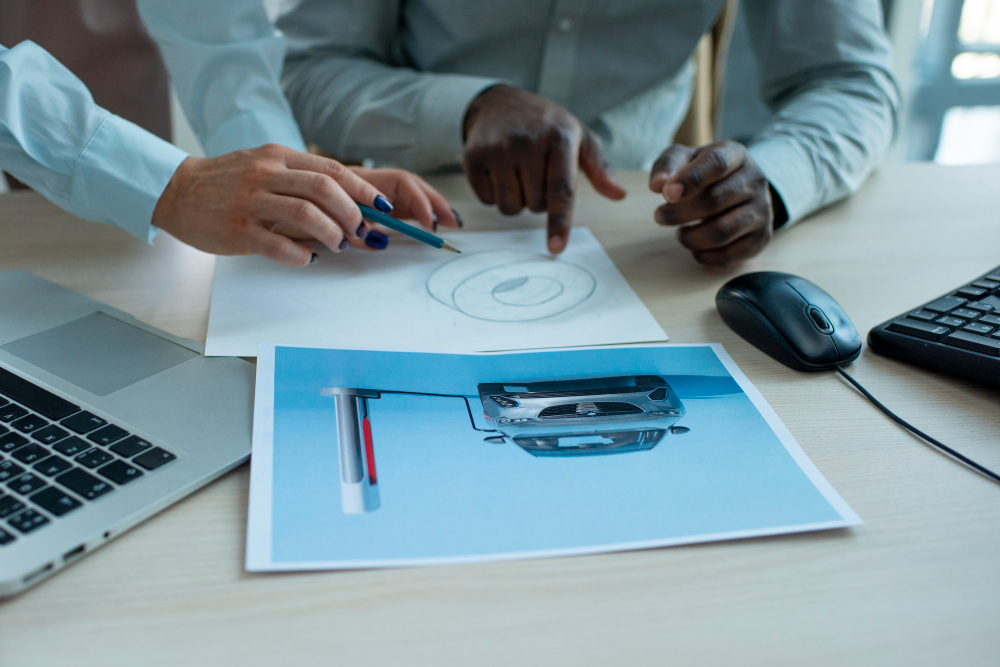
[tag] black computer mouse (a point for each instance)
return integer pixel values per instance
(790, 319)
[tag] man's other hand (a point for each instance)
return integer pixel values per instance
(722, 189)
(522, 151)
(250, 202)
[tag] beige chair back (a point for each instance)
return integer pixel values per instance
(704, 118)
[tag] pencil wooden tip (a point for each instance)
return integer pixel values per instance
(447, 246)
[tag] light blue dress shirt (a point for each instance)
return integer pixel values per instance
(80, 156)
(225, 59)
(391, 80)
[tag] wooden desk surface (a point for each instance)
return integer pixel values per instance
(918, 584)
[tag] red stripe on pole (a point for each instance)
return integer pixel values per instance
(369, 451)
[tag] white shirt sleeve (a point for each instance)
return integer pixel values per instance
(84, 159)
(225, 59)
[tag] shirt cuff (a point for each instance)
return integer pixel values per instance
(251, 130)
(440, 118)
(790, 173)
(121, 175)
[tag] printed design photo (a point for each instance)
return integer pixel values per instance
(373, 459)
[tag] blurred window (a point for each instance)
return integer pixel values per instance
(955, 113)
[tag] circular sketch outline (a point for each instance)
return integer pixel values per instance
(448, 289)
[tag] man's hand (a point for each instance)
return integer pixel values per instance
(233, 204)
(723, 188)
(522, 150)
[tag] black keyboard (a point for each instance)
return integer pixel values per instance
(957, 332)
(55, 457)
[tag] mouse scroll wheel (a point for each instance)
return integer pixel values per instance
(819, 319)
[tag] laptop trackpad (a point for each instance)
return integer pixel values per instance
(99, 353)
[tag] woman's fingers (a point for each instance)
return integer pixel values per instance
(411, 201)
(356, 188)
(276, 247)
(446, 215)
(304, 215)
(411, 196)
(326, 194)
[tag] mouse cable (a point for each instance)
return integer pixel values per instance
(920, 434)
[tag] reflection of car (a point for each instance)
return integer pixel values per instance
(607, 415)
(614, 442)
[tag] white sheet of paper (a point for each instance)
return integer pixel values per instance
(501, 293)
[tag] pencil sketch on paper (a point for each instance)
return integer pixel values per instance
(510, 286)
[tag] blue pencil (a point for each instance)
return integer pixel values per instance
(403, 228)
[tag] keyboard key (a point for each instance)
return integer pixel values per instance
(993, 276)
(971, 292)
(919, 329)
(3, 429)
(29, 423)
(95, 457)
(950, 321)
(154, 458)
(129, 447)
(11, 411)
(84, 484)
(120, 472)
(986, 284)
(993, 301)
(979, 307)
(83, 422)
(5, 537)
(9, 505)
(49, 434)
(9, 470)
(12, 441)
(965, 313)
(992, 320)
(924, 315)
(26, 483)
(107, 435)
(51, 466)
(975, 328)
(944, 304)
(990, 346)
(27, 521)
(55, 502)
(31, 453)
(3, 401)
(71, 446)
(40, 400)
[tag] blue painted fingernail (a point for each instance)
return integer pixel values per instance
(461, 223)
(434, 217)
(435, 225)
(376, 239)
(344, 245)
(382, 204)
(312, 260)
(361, 230)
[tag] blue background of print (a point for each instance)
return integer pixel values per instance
(445, 492)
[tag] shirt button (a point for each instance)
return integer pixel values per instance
(565, 25)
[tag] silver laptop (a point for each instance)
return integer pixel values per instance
(104, 421)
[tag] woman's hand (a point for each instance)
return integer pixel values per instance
(412, 197)
(255, 202)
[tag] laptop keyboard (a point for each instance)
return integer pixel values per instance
(55, 457)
